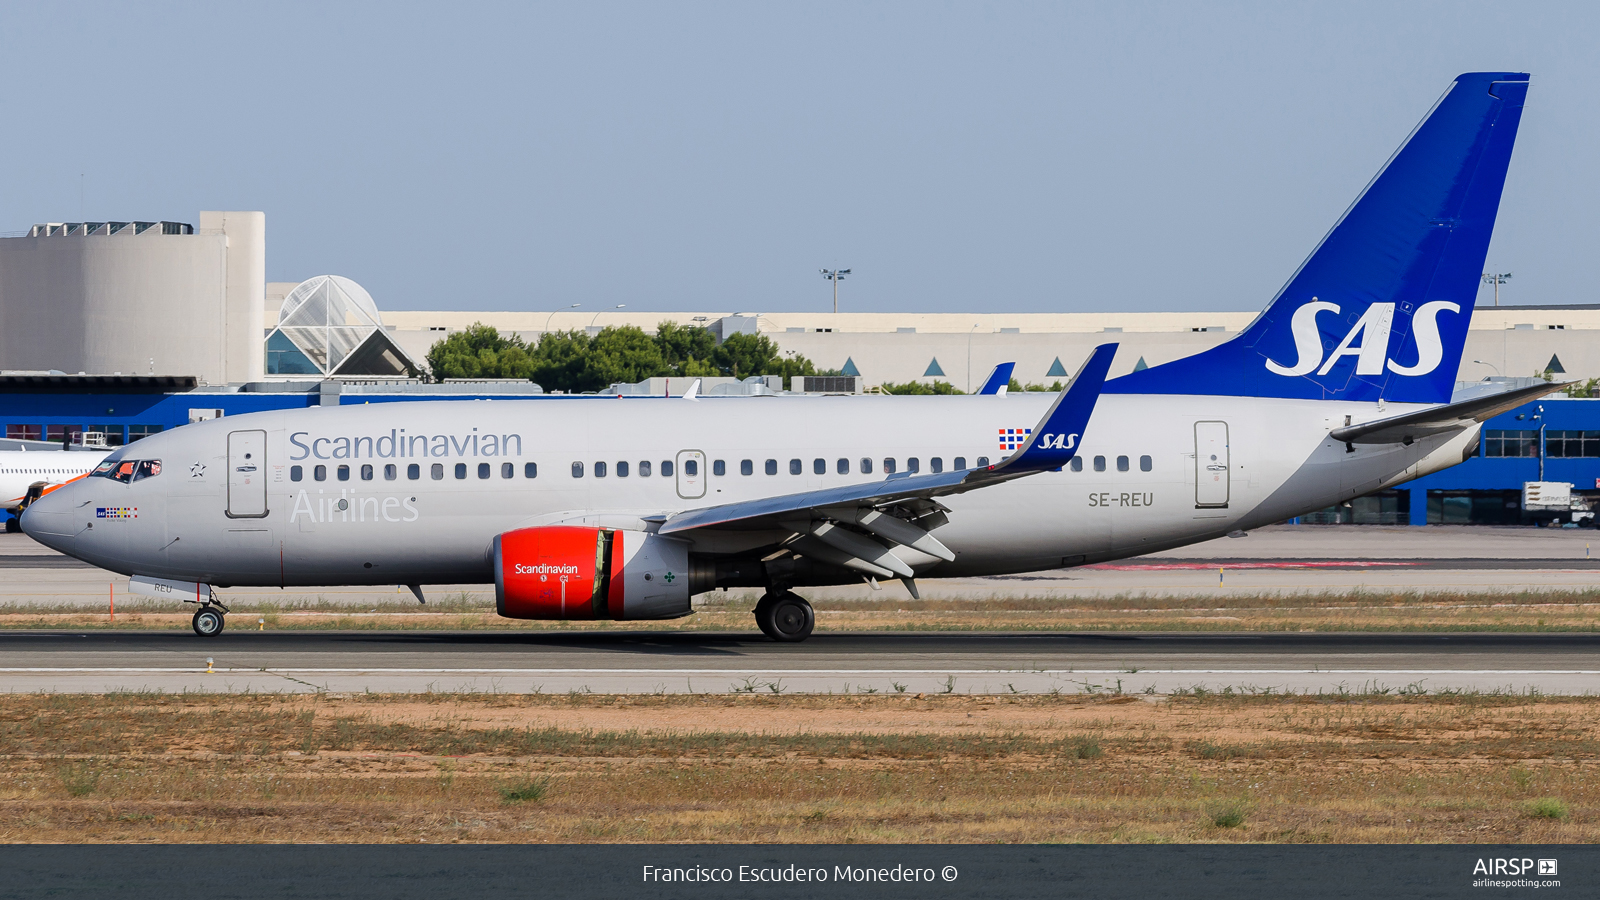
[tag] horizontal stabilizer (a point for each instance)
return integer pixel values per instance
(1445, 419)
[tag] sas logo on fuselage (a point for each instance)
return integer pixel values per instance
(116, 512)
(1372, 329)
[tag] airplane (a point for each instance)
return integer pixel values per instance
(39, 471)
(628, 508)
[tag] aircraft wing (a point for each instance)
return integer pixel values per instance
(902, 509)
(1441, 419)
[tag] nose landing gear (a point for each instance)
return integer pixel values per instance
(208, 621)
(785, 617)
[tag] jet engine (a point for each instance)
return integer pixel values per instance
(580, 572)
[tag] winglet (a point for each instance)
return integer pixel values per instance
(1054, 440)
(693, 390)
(999, 380)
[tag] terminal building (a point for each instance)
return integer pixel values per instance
(117, 330)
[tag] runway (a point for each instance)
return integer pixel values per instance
(880, 663)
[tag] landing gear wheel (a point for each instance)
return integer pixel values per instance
(14, 525)
(208, 621)
(786, 617)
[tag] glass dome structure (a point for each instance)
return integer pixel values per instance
(329, 326)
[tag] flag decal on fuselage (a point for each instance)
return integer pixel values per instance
(1012, 438)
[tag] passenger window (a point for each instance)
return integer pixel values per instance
(622, 470)
(320, 473)
(644, 468)
(795, 467)
(437, 472)
(1144, 463)
(344, 473)
(844, 467)
(819, 466)
(149, 468)
(888, 465)
(599, 470)
(508, 470)
(483, 470)
(389, 472)
(913, 465)
(577, 470)
(958, 463)
(1099, 463)
(530, 470)
(746, 467)
(936, 465)
(295, 473)
(413, 471)
(366, 472)
(983, 462)
(866, 466)
(719, 467)
(1122, 464)
(666, 468)
(461, 470)
(772, 467)
(1077, 464)
(691, 468)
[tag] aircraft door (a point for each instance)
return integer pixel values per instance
(691, 474)
(1211, 466)
(247, 474)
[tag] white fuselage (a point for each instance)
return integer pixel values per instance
(206, 518)
(22, 469)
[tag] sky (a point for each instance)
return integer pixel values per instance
(957, 157)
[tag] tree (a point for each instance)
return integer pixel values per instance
(1019, 387)
(574, 362)
(480, 352)
(919, 388)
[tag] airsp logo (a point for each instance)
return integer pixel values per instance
(1373, 331)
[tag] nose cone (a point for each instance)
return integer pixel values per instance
(49, 520)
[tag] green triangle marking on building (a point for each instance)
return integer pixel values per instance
(1140, 366)
(1555, 366)
(850, 367)
(1057, 370)
(933, 370)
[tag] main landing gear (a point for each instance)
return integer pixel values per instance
(785, 616)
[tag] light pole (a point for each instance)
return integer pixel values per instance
(1490, 365)
(969, 355)
(553, 315)
(835, 276)
(597, 315)
(1496, 280)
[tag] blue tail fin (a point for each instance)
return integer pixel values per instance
(999, 379)
(1380, 309)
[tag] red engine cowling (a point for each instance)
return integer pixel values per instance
(581, 572)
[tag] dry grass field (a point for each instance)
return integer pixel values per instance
(517, 768)
(1444, 610)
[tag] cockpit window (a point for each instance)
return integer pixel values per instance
(126, 470)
